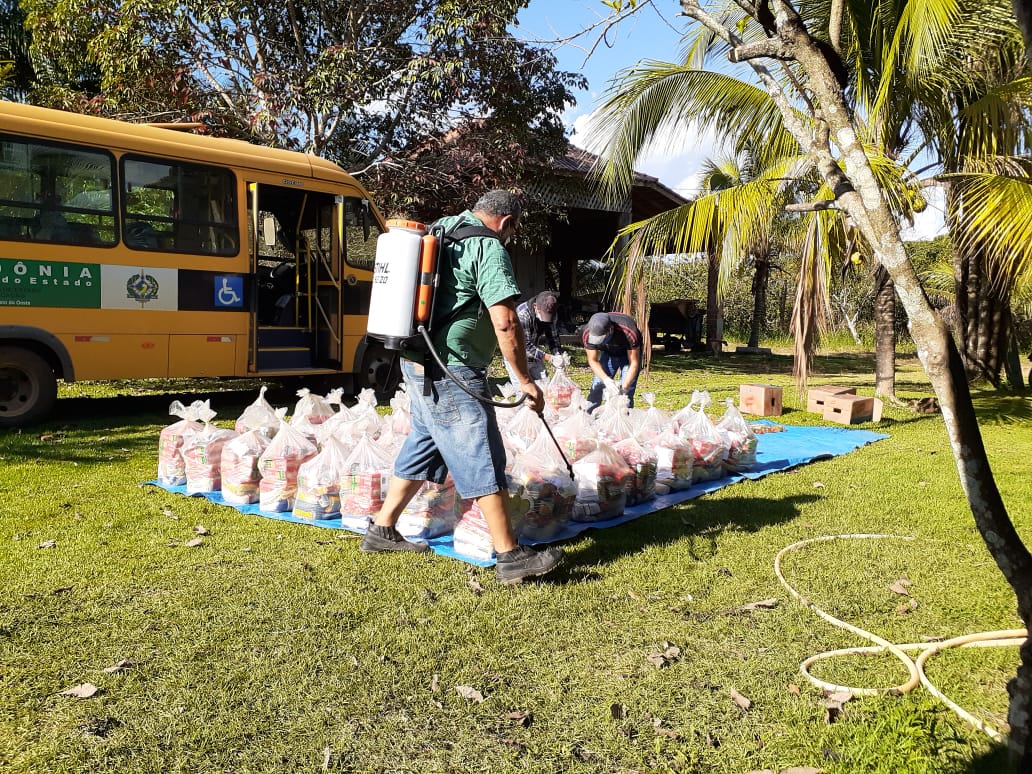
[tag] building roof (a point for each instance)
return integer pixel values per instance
(648, 195)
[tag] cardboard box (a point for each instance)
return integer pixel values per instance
(852, 409)
(817, 398)
(760, 399)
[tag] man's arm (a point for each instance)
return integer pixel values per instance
(509, 333)
(633, 367)
(527, 321)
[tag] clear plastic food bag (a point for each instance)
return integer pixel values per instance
(240, 474)
(279, 464)
(560, 387)
(260, 416)
(202, 455)
(432, 512)
(171, 466)
(602, 479)
(318, 483)
(709, 447)
(363, 487)
(741, 440)
(641, 459)
(674, 460)
(539, 476)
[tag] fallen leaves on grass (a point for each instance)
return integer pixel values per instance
(435, 684)
(901, 586)
(617, 711)
(659, 726)
(763, 604)
(83, 691)
(99, 727)
(122, 666)
(818, 485)
(793, 689)
(475, 586)
(468, 692)
(665, 657)
(48, 544)
(522, 717)
(200, 529)
(194, 542)
(743, 702)
(907, 607)
(832, 704)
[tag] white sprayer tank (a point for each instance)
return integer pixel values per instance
(395, 282)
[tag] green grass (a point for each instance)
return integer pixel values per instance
(273, 647)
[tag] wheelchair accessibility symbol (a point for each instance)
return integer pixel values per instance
(229, 291)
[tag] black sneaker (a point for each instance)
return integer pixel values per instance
(378, 539)
(523, 562)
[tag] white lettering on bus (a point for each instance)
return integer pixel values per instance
(45, 270)
(20, 268)
(85, 274)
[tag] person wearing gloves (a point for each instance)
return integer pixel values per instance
(452, 431)
(536, 316)
(612, 342)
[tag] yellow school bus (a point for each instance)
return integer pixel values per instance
(135, 251)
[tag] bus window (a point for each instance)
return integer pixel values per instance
(359, 251)
(55, 193)
(180, 208)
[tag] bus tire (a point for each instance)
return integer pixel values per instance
(28, 387)
(380, 372)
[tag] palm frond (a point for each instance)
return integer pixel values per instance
(659, 101)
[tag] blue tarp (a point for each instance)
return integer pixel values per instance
(774, 452)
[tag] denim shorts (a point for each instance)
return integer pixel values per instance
(452, 431)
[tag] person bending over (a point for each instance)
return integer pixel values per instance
(612, 342)
(536, 317)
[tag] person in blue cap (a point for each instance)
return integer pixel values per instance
(613, 344)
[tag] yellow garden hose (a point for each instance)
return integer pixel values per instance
(915, 668)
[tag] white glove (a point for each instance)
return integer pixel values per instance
(611, 386)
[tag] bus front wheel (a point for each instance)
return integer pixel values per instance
(28, 387)
(381, 371)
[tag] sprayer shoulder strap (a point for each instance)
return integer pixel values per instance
(460, 232)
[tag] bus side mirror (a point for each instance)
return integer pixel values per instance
(365, 220)
(269, 231)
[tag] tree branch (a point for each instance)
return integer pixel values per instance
(816, 206)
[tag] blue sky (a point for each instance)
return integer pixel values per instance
(647, 35)
(653, 33)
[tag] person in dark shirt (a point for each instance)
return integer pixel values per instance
(613, 345)
(537, 316)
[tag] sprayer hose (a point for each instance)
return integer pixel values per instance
(482, 398)
(915, 668)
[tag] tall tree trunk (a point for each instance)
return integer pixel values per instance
(713, 334)
(884, 335)
(847, 171)
(759, 289)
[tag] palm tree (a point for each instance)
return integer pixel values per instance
(864, 189)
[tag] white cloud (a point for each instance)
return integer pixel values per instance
(675, 157)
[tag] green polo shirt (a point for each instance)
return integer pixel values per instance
(474, 274)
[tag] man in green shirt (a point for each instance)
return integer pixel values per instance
(474, 310)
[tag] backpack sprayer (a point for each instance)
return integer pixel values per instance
(401, 306)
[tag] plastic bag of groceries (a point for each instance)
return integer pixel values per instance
(333, 425)
(171, 467)
(318, 483)
(401, 412)
(524, 428)
(362, 424)
(202, 455)
(614, 419)
(560, 387)
(279, 464)
(641, 459)
(240, 474)
(674, 460)
(471, 537)
(310, 407)
(576, 435)
(432, 512)
(709, 446)
(366, 403)
(741, 440)
(260, 416)
(653, 420)
(367, 475)
(540, 476)
(602, 480)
